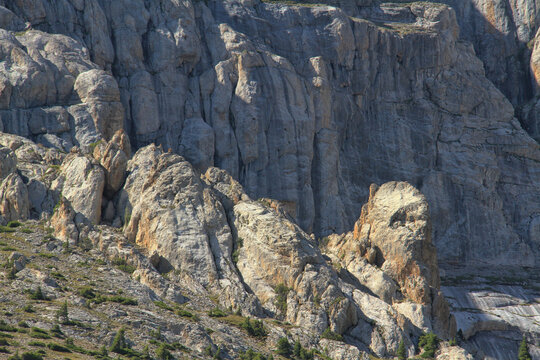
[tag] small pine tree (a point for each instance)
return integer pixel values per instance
(284, 347)
(37, 294)
(162, 353)
(119, 342)
(62, 314)
(524, 350)
(401, 352)
(103, 351)
(146, 353)
(297, 348)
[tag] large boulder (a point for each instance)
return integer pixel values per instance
(390, 253)
(83, 184)
(171, 213)
(114, 160)
(14, 204)
(63, 223)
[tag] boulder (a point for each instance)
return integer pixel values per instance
(114, 161)
(83, 184)
(14, 204)
(63, 223)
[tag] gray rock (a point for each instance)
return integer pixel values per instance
(314, 127)
(197, 143)
(14, 203)
(8, 162)
(19, 260)
(83, 186)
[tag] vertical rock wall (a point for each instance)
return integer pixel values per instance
(304, 104)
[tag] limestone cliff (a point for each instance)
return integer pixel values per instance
(371, 93)
(168, 119)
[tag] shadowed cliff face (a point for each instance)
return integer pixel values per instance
(304, 104)
(501, 31)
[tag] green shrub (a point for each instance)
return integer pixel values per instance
(211, 353)
(428, 342)
(217, 312)
(37, 343)
(31, 356)
(239, 245)
(6, 327)
(57, 275)
(4, 350)
(254, 328)
(163, 353)
(14, 224)
(119, 343)
(281, 299)
(524, 350)
(122, 300)
(36, 294)
(122, 264)
(22, 324)
(57, 347)
(87, 292)
(252, 355)
(184, 313)
(330, 335)
(401, 351)
(4, 342)
(284, 347)
(38, 333)
(28, 308)
(56, 332)
(163, 305)
(5, 229)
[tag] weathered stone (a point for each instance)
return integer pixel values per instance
(14, 203)
(63, 223)
(8, 162)
(114, 161)
(83, 186)
(19, 260)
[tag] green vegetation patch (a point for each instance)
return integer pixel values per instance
(281, 299)
(217, 312)
(122, 264)
(330, 335)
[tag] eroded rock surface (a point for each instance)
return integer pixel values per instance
(390, 252)
(302, 127)
(372, 93)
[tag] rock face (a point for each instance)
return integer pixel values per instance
(208, 232)
(494, 309)
(368, 78)
(53, 93)
(14, 198)
(395, 223)
(113, 158)
(83, 183)
(390, 252)
(372, 93)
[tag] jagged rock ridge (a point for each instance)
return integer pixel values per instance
(249, 256)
